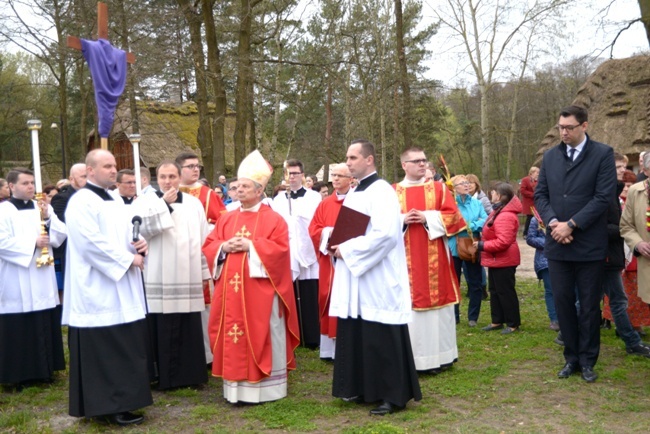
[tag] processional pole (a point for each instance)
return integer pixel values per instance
(34, 125)
(135, 141)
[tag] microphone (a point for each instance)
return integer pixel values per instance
(137, 221)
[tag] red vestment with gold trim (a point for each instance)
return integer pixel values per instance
(241, 309)
(431, 271)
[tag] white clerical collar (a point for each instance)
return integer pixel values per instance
(416, 182)
(341, 196)
(254, 208)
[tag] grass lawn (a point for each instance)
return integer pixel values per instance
(500, 384)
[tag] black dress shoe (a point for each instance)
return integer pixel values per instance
(126, 418)
(568, 370)
(355, 399)
(385, 408)
(588, 374)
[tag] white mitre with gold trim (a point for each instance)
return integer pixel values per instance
(255, 167)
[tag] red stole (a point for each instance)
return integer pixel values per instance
(325, 216)
(241, 309)
(432, 277)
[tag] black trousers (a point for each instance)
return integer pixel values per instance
(580, 330)
(306, 292)
(504, 302)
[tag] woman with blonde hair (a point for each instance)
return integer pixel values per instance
(475, 217)
(477, 193)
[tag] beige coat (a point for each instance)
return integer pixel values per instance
(634, 230)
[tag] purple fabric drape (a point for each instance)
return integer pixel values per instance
(108, 70)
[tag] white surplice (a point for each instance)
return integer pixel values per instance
(24, 287)
(371, 281)
(101, 286)
(298, 214)
(175, 267)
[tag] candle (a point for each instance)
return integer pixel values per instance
(34, 125)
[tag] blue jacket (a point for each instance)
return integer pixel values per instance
(581, 190)
(536, 238)
(474, 215)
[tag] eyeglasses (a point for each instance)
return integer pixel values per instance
(295, 173)
(462, 183)
(568, 128)
(193, 166)
(336, 175)
(421, 161)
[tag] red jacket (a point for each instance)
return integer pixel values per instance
(499, 246)
(527, 190)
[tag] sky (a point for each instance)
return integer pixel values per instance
(582, 19)
(585, 36)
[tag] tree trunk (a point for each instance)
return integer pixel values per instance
(241, 92)
(204, 135)
(403, 75)
(130, 82)
(395, 134)
(328, 132)
(66, 154)
(485, 136)
(218, 156)
(250, 113)
(644, 6)
(277, 100)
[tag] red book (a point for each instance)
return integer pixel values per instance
(349, 224)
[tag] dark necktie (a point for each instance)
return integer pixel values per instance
(572, 153)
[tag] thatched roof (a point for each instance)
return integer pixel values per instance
(166, 130)
(617, 96)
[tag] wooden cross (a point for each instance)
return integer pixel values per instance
(235, 333)
(243, 232)
(235, 281)
(102, 33)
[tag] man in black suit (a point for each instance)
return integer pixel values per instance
(577, 181)
(59, 204)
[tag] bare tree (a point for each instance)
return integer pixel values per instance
(488, 30)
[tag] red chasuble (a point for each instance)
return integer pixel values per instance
(325, 216)
(241, 309)
(431, 271)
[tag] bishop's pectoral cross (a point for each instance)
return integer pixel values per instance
(102, 33)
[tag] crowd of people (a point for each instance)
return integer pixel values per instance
(160, 287)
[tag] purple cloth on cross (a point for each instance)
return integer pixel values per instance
(108, 70)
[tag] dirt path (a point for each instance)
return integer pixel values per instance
(526, 269)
